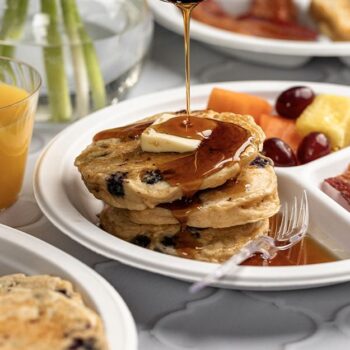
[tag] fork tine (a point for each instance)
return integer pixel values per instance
(295, 216)
(292, 217)
(296, 219)
(284, 222)
(274, 226)
(301, 210)
(281, 222)
(289, 220)
(305, 218)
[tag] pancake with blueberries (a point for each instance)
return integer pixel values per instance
(208, 244)
(249, 198)
(116, 170)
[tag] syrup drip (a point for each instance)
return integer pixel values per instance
(128, 132)
(186, 241)
(186, 10)
(182, 207)
(224, 146)
(186, 7)
(188, 127)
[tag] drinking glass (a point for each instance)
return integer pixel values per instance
(19, 88)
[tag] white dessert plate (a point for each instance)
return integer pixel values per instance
(23, 253)
(62, 195)
(269, 51)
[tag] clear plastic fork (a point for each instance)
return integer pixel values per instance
(284, 233)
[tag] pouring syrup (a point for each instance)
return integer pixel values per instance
(186, 7)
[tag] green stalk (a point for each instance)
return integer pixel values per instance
(79, 65)
(13, 24)
(57, 84)
(96, 81)
(97, 85)
(7, 21)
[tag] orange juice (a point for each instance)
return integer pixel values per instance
(16, 124)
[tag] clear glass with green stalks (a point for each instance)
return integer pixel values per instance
(89, 52)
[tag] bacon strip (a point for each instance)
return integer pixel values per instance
(274, 10)
(212, 14)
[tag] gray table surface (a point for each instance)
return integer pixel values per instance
(167, 317)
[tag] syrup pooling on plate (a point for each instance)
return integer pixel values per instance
(306, 252)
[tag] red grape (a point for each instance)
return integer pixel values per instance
(313, 146)
(280, 152)
(292, 102)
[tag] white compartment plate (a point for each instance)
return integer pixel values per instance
(22, 253)
(269, 51)
(64, 199)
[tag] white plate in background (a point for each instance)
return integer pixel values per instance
(64, 199)
(23, 253)
(287, 53)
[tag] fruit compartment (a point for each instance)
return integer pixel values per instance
(329, 222)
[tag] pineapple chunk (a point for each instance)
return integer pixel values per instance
(329, 114)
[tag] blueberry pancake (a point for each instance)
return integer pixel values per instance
(208, 244)
(43, 319)
(251, 197)
(9, 283)
(116, 170)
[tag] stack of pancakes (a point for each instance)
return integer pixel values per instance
(232, 204)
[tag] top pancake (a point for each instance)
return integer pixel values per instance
(122, 175)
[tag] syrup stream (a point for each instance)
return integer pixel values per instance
(186, 10)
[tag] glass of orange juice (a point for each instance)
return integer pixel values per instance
(19, 88)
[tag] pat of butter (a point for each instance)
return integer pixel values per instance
(157, 142)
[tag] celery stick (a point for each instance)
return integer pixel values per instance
(14, 9)
(17, 27)
(57, 84)
(79, 65)
(8, 18)
(97, 85)
(96, 81)
(7, 22)
(13, 24)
